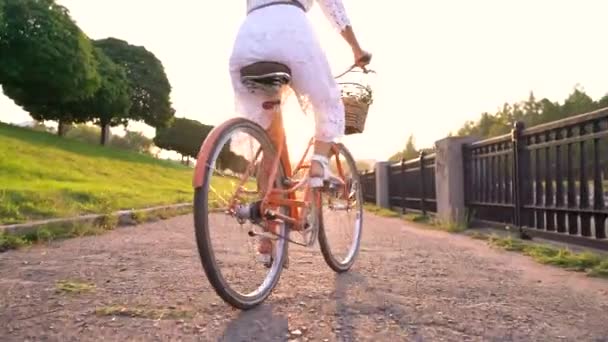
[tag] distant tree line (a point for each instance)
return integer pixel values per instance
(409, 152)
(531, 112)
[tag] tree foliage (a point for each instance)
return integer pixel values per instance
(150, 88)
(183, 136)
(409, 152)
(531, 112)
(232, 161)
(46, 61)
(109, 106)
(2, 22)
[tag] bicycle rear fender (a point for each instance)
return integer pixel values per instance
(203, 154)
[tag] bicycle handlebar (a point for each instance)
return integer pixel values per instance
(363, 60)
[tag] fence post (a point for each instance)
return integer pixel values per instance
(422, 181)
(403, 194)
(450, 186)
(382, 185)
(521, 163)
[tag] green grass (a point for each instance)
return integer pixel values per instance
(380, 211)
(411, 217)
(45, 176)
(69, 286)
(592, 264)
(54, 232)
(170, 313)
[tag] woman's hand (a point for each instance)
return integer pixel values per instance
(362, 57)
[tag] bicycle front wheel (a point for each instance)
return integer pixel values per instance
(227, 241)
(341, 221)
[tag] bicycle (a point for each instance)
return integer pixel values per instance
(279, 204)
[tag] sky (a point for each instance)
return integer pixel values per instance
(438, 62)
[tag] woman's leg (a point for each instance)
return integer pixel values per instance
(277, 136)
(321, 148)
(326, 102)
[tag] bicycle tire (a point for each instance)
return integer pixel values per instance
(330, 259)
(201, 220)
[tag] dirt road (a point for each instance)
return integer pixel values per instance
(409, 284)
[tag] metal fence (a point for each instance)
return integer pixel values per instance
(550, 179)
(368, 185)
(489, 179)
(412, 184)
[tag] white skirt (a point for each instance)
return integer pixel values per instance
(283, 33)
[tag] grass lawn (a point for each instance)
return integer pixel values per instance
(45, 176)
(595, 265)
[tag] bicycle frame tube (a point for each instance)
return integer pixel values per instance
(272, 198)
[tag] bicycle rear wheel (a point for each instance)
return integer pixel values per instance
(341, 217)
(234, 273)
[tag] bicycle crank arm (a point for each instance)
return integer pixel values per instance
(340, 207)
(268, 235)
(274, 236)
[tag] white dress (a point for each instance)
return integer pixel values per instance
(283, 33)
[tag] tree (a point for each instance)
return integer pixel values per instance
(409, 152)
(184, 136)
(2, 22)
(578, 103)
(110, 104)
(531, 112)
(232, 161)
(132, 141)
(603, 102)
(550, 111)
(45, 59)
(150, 88)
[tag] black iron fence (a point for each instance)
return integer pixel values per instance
(489, 192)
(368, 185)
(411, 184)
(550, 179)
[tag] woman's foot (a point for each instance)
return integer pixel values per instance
(319, 170)
(266, 246)
(265, 251)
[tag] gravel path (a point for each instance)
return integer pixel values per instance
(408, 284)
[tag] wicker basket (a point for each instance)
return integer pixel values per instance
(356, 113)
(355, 109)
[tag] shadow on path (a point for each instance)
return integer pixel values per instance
(258, 324)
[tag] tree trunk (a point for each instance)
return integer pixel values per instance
(61, 128)
(105, 133)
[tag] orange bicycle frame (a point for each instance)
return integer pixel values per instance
(273, 197)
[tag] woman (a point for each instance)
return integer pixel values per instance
(279, 31)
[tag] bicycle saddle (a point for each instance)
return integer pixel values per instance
(270, 77)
